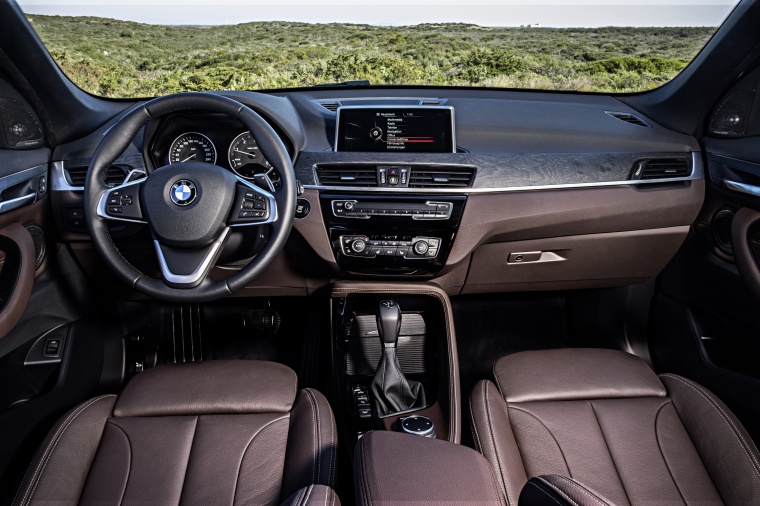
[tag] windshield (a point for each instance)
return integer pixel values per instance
(154, 49)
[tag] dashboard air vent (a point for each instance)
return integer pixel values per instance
(115, 176)
(331, 106)
(347, 175)
(629, 118)
(661, 168)
(441, 177)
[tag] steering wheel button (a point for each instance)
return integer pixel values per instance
(114, 209)
(249, 194)
(247, 204)
(116, 193)
(258, 214)
(245, 214)
(259, 197)
(259, 205)
(114, 201)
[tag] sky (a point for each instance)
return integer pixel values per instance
(549, 13)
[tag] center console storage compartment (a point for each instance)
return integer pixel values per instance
(391, 468)
(426, 352)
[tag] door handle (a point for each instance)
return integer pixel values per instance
(742, 187)
(12, 204)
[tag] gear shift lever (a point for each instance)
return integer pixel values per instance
(389, 323)
(392, 391)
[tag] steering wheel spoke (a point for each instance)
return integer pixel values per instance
(122, 203)
(252, 205)
(187, 268)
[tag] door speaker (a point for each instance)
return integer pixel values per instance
(39, 239)
(21, 129)
(730, 118)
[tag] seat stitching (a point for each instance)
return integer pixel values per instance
(308, 494)
(558, 490)
(301, 492)
(614, 465)
(242, 457)
(547, 494)
(493, 440)
(129, 467)
(547, 430)
(318, 439)
(474, 428)
(583, 490)
(659, 446)
(189, 456)
(314, 433)
(737, 435)
(333, 447)
(365, 480)
(37, 476)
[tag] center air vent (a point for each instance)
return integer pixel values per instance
(661, 168)
(347, 175)
(444, 177)
(77, 175)
(629, 118)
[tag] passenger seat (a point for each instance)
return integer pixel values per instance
(599, 427)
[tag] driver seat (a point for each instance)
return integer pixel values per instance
(219, 432)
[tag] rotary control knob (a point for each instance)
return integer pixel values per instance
(349, 206)
(359, 246)
(420, 247)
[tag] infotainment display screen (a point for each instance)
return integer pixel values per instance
(424, 129)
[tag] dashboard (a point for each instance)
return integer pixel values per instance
(472, 190)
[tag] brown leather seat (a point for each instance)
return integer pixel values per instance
(220, 432)
(599, 427)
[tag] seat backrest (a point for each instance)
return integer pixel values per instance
(207, 433)
(601, 417)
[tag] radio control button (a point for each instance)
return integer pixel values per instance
(420, 247)
(359, 246)
(349, 206)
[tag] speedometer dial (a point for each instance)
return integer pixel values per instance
(192, 147)
(245, 157)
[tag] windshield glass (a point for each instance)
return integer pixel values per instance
(153, 48)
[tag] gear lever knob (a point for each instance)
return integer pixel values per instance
(389, 322)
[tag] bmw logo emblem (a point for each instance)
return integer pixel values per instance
(183, 192)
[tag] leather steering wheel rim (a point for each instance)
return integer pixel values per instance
(119, 138)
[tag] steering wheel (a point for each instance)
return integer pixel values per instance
(190, 207)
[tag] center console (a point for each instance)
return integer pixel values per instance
(394, 360)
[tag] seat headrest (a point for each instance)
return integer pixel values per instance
(575, 374)
(214, 387)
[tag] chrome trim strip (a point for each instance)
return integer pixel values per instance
(22, 175)
(273, 214)
(199, 272)
(102, 203)
(747, 189)
(697, 173)
(425, 107)
(10, 205)
(58, 181)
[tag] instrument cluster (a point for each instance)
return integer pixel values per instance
(212, 139)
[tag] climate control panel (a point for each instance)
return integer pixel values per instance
(391, 235)
(408, 247)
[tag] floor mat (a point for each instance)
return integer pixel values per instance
(490, 327)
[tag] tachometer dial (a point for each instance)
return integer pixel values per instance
(192, 147)
(246, 159)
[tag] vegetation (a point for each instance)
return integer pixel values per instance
(125, 59)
